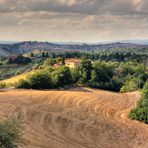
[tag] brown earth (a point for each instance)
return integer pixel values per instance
(77, 118)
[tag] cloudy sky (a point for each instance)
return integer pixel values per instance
(73, 20)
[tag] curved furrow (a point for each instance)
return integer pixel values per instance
(76, 119)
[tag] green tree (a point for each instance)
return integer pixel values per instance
(43, 54)
(31, 54)
(49, 62)
(40, 80)
(75, 74)
(131, 84)
(61, 77)
(85, 71)
(23, 84)
(63, 61)
(102, 76)
(102, 72)
(17, 73)
(46, 54)
(141, 111)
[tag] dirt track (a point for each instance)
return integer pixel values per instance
(83, 118)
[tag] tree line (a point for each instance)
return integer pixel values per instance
(114, 76)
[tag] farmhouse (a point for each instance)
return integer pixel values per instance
(72, 63)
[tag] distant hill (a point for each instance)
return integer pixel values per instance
(140, 42)
(4, 52)
(24, 47)
(8, 42)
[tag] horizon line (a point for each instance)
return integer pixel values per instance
(81, 42)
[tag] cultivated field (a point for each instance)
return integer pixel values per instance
(77, 118)
(15, 79)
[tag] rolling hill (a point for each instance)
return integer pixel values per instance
(76, 118)
(4, 52)
(24, 47)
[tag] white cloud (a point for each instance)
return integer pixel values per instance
(76, 20)
(68, 2)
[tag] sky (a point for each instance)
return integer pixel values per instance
(73, 20)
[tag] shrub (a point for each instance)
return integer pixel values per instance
(17, 73)
(49, 62)
(85, 71)
(35, 66)
(141, 111)
(40, 80)
(102, 76)
(18, 59)
(1, 63)
(102, 72)
(23, 84)
(61, 77)
(3, 85)
(131, 84)
(112, 76)
(75, 74)
(10, 133)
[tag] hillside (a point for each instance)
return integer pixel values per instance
(15, 79)
(24, 47)
(76, 118)
(4, 52)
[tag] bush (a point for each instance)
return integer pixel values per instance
(75, 74)
(102, 72)
(23, 84)
(102, 76)
(85, 71)
(124, 77)
(40, 80)
(3, 85)
(18, 59)
(10, 133)
(49, 62)
(36, 66)
(61, 77)
(141, 111)
(17, 73)
(1, 63)
(131, 84)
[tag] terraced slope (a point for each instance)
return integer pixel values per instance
(77, 118)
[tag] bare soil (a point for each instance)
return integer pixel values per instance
(76, 118)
